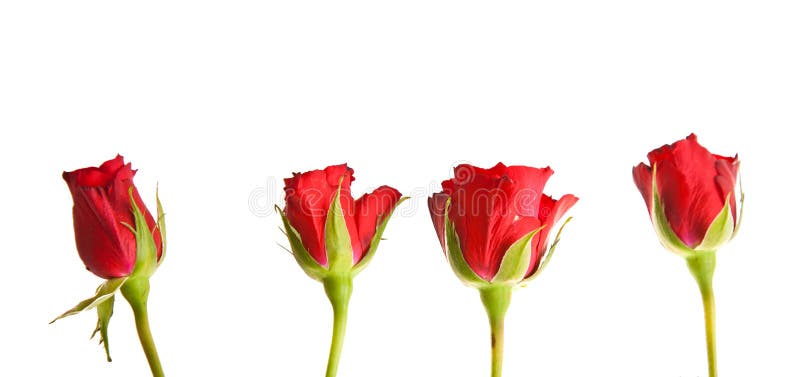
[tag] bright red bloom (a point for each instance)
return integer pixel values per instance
(308, 199)
(693, 185)
(493, 208)
(101, 206)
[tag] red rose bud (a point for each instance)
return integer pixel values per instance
(332, 236)
(494, 227)
(690, 195)
(119, 240)
(102, 214)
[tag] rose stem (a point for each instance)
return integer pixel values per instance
(496, 300)
(338, 289)
(702, 268)
(136, 292)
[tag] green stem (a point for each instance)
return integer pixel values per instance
(702, 268)
(496, 299)
(338, 289)
(136, 291)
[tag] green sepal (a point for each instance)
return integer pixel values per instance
(337, 238)
(741, 210)
(104, 292)
(516, 260)
(549, 255)
(104, 311)
(661, 225)
(146, 251)
(162, 229)
(376, 239)
(720, 231)
(456, 257)
(309, 265)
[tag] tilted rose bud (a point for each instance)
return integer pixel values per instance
(103, 215)
(332, 236)
(691, 198)
(118, 240)
(494, 227)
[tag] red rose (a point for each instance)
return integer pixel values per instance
(491, 209)
(118, 240)
(493, 225)
(102, 208)
(690, 195)
(333, 237)
(308, 200)
(695, 188)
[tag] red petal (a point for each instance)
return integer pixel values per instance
(111, 166)
(727, 174)
(477, 206)
(370, 210)
(643, 177)
(437, 204)
(665, 152)
(106, 248)
(529, 186)
(550, 213)
(465, 173)
(99, 176)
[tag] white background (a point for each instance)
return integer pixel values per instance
(218, 101)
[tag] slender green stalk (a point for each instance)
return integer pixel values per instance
(496, 299)
(136, 292)
(338, 289)
(702, 268)
(708, 306)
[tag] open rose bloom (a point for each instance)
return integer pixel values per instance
(494, 226)
(691, 198)
(497, 222)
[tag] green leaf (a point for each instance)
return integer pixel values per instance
(162, 229)
(104, 292)
(337, 237)
(376, 239)
(720, 231)
(301, 255)
(146, 252)
(104, 311)
(549, 255)
(516, 260)
(456, 257)
(664, 231)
